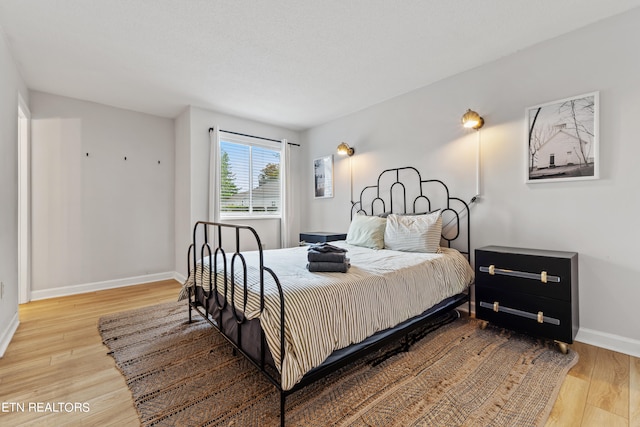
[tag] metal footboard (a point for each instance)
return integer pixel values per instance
(228, 274)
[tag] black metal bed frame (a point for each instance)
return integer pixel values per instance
(420, 189)
(234, 268)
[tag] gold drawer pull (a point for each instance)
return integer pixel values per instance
(540, 317)
(542, 276)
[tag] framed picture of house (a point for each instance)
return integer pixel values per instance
(563, 140)
(323, 177)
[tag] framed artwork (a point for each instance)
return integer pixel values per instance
(323, 177)
(562, 140)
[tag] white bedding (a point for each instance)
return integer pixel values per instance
(329, 311)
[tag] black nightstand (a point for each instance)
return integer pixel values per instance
(321, 236)
(529, 290)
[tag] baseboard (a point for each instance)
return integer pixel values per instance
(179, 277)
(609, 341)
(465, 306)
(7, 334)
(99, 286)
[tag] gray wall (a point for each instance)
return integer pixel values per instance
(598, 219)
(11, 85)
(192, 175)
(99, 218)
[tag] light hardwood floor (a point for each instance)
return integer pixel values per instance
(57, 356)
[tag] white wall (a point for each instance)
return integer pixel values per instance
(11, 85)
(598, 219)
(99, 220)
(182, 208)
(192, 175)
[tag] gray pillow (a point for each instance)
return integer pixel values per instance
(367, 231)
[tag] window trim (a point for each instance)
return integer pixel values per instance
(251, 142)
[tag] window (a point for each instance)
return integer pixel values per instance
(249, 178)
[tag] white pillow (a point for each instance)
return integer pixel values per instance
(367, 231)
(414, 233)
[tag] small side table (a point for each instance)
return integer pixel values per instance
(320, 237)
(530, 290)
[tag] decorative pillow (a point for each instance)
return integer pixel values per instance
(367, 231)
(414, 233)
(386, 214)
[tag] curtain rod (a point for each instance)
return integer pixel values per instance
(253, 136)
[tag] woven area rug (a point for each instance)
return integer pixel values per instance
(456, 375)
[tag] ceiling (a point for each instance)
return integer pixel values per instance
(294, 63)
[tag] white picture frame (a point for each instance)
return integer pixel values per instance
(323, 177)
(562, 140)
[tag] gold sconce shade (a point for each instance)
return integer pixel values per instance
(345, 150)
(472, 120)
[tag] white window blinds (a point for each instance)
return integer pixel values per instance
(249, 178)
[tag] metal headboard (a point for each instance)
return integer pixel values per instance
(395, 187)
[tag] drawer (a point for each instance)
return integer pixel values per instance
(520, 312)
(523, 272)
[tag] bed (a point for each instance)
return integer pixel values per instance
(296, 326)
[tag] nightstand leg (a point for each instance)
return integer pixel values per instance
(483, 324)
(564, 348)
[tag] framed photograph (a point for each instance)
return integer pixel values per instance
(323, 177)
(563, 140)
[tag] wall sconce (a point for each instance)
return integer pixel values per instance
(472, 120)
(345, 150)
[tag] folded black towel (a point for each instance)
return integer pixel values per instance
(326, 247)
(329, 267)
(315, 256)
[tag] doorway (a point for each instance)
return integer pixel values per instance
(24, 202)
